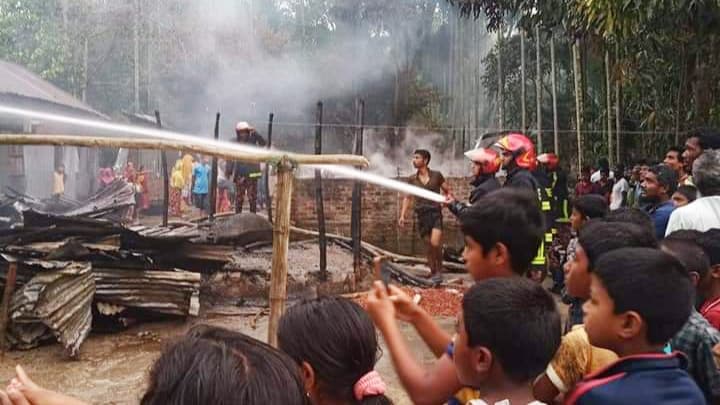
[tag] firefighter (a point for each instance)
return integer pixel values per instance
(485, 164)
(519, 161)
(245, 175)
(558, 218)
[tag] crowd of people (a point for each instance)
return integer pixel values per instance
(190, 181)
(643, 277)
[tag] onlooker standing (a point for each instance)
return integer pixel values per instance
(583, 186)
(703, 213)
(142, 197)
(245, 175)
(684, 195)
(618, 196)
(638, 301)
(200, 187)
(674, 159)
(59, 179)
(604, 185)
(106, 177)
(699, 142)
(187, 171)
(603, 164)
(658, 186)
(177, 183)
(697, 338)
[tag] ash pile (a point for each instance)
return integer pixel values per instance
(80, 269)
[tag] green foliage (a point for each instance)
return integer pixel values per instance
(30, 36)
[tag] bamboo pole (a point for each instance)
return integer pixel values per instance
(523, 96)
(579, 112)
(268, 199)
(165, 175)
(608, 109)
(319, 205)
(538, 90)
(556, 143)
(356, 216)
(203, 146)
(6, 300)
(214, 173)
(281, 241)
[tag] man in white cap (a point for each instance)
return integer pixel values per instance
(245, 175)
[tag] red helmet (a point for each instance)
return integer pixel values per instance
(487, 158)
(522, 149)
(550, 160)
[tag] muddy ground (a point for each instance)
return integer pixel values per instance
(112, 368)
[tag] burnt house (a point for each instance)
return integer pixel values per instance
(29, 169)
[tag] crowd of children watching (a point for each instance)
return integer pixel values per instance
(643, 323)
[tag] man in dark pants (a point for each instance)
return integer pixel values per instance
(429, 213)
(245, 175)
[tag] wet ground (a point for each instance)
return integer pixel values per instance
(112, 368)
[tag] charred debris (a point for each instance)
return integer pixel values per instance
(75, 266)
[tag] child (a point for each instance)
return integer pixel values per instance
(709, 286)
(209, 365)
(576, 358)
(631, 216)
(333, 341)
(502, 236)
(684, 195)
(200, 184)
(507, 332)
(697, 337)
(584, 208)
(639, 299)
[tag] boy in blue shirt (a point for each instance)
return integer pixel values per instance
(639, 299)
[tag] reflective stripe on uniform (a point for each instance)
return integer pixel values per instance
(539, 260)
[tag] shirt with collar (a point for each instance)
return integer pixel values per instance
(696, 340)
(660, 215)
(651, 378)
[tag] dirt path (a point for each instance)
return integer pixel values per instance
(112, 368)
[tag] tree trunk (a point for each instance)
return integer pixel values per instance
(136, 56)
(500, 90)
(556, 144)
(85, 71)
(618, 106)
(523, 96)
(538, 89)
(579, 113)
(608, 109)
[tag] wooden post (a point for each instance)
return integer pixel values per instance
(281, 241)
(267, 170)
(356, 218)
(165, 176)
(214, 173)
(7, 299)
(319, 206)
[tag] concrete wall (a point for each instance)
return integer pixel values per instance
(380, 212)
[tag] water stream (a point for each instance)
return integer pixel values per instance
(124, 130)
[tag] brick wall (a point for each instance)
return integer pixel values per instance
(380, 212)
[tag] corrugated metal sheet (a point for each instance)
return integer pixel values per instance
(55, 302)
